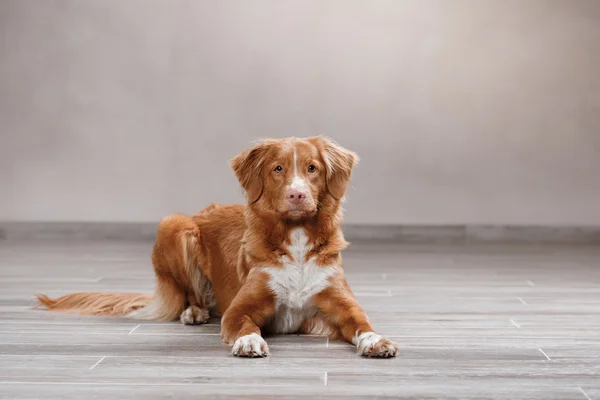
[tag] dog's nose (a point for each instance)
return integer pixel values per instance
(295, 196)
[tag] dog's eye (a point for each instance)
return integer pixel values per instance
(278, 168)
(312, 168)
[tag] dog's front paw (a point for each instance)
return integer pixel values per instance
(194, 315)
(370, 344)
(252, 345)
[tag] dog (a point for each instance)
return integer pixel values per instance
(271, 266)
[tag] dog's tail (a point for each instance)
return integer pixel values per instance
(166, 304)
(95, 303)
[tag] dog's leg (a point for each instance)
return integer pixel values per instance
(199, 293)
(194, 314)
(340, 307)
(179, 279)
(182, 286)
(251, 308)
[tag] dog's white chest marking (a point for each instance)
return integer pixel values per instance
(295, 284)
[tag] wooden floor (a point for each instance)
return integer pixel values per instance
(504, 322)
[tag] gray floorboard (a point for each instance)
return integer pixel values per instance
(474, 322)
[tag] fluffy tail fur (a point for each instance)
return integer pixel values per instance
(166, 304)
(95, 303)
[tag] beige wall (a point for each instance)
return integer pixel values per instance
(464, 111)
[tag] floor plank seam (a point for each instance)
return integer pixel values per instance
(584, 393)
(133, 330)
(99, 361)
(544, 353)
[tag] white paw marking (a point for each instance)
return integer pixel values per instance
(370, 344)
(194, 315)
(252, 345)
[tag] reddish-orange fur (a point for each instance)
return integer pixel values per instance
(91, 303)
(213, 259)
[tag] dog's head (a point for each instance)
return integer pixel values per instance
(291, 177)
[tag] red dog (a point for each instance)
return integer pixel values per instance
(273, 266)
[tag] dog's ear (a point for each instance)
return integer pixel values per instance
(248, 168)
(339, 163)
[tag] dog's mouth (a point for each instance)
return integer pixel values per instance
(296, 213)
